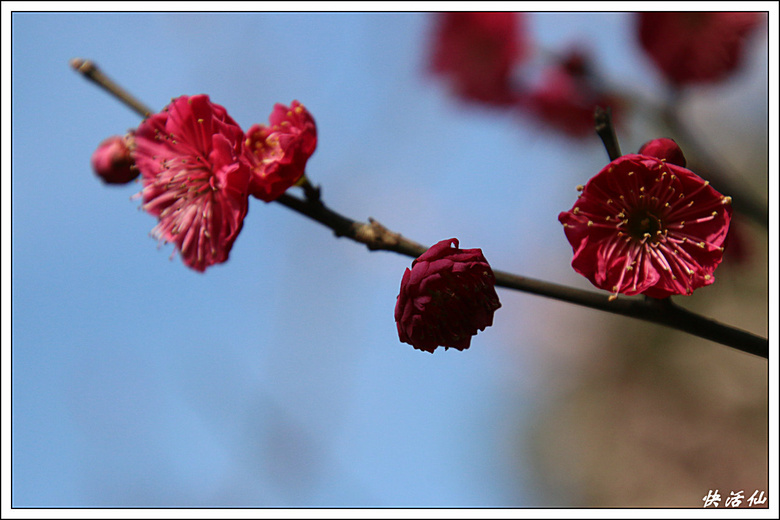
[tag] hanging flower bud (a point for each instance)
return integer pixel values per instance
(665, 149)
(446, 297)
(113, 162)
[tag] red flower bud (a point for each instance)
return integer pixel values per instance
(112, 161)
(665, 149)
(446, 297)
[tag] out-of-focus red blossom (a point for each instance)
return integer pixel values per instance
(695, 47)
(476, 53)
(447, 296)
(665, 149)
(279, 152)
(646, 226)
(739, 249)
(566, 97)
(195, 178)
(112, 161)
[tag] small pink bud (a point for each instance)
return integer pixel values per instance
(665, 149)
(112, 161)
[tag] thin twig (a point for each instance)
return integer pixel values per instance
(606, 131)
(372, 234)
(91, 71)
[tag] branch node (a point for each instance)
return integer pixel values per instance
(312, 193)
(376, 236)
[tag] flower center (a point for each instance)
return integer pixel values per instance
(642, 223)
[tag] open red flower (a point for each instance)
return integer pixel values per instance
(567, 96)
(476, 53)
(695, 47)
(279, 152)
(195, 179)
(645, 226)
(113, 161)
(446, 297)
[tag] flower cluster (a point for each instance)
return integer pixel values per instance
(198, 170)
(446, 297)
(486, 58)
(647, 225)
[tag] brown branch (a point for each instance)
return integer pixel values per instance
(372, 234)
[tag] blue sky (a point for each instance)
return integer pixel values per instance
(277, 379)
